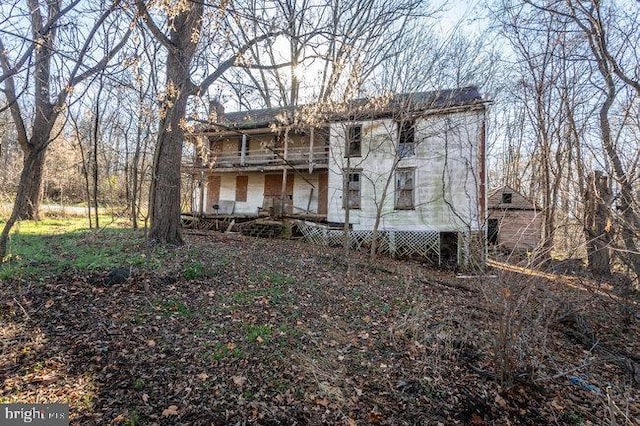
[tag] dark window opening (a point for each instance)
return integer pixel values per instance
(507, 198)
(406, 138)
(492, 231)
(354, 141)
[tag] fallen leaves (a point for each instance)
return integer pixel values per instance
(239, 381)
(501, 402)
(367, 348)
(171, 410)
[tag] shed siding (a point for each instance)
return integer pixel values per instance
(518, 229)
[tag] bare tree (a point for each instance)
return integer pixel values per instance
(40, 51)
(185, 26)
(590, 100)
(328, 51)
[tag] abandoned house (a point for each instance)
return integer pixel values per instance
(514, 222)
(411, 166)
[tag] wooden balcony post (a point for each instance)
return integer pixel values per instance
(243, 149)
(201, 209)
(283, 193)
(311, 138)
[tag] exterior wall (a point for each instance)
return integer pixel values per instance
(302, 192)
(518, 229)
(446, 180)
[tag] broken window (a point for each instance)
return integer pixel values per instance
(354, 141)
(404, 189)
(406, 138)
(352, 200)
(507, 198)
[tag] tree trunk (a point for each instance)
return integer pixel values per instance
(165, 191)
(29, 194)
(31, 184)
(598, 223)
(164, 197)
(94, 159)
(165, 182)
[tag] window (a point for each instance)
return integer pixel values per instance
(354, 141)
(404, 189)
(406, 138)
(507, 198)
(352, 199)
(242, 184)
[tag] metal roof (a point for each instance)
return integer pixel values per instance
(356, 109)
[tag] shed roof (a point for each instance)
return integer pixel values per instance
(518, 201)
(363, 107)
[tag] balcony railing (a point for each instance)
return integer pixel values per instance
(297, 156)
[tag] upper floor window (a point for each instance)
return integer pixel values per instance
(406, 138)
(354, 141)
(507, 198)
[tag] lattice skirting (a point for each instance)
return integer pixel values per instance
(397, 243)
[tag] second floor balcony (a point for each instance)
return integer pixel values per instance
(300, 157)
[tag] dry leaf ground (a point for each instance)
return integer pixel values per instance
(231, 330)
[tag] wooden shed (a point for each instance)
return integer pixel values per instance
(514, 222)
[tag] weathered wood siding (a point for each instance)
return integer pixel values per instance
(518, 229)
(447, 165)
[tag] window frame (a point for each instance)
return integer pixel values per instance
(351, 138)
(346, 199)
(406, 130)
(401, 190)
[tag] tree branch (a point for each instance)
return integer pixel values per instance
(230, 62)
(74, 78)
(10, 93)
(155, 30)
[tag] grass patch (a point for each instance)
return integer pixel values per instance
(138, 384)
(194, 271)
(277, 279)
(175, 307)
(66, 245)
(260, 333)
(220, 351)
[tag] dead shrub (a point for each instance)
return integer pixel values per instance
(523, 312)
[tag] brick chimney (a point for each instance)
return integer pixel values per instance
(216, 111)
